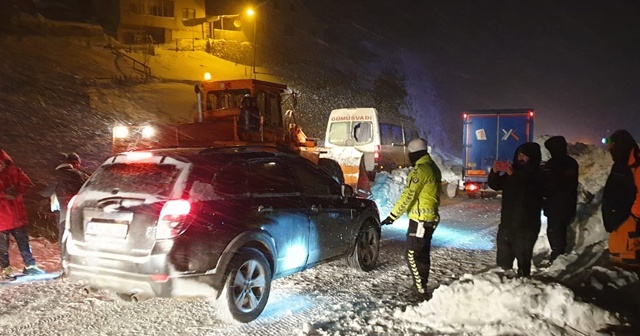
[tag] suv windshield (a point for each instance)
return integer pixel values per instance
(350, 133)
(148, 178)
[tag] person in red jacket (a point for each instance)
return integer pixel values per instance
(13, 216)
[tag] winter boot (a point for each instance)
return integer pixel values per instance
(7, 274)
(32, 270)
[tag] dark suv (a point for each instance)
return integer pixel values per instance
(214, 222)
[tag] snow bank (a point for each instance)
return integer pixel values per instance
(491, 304)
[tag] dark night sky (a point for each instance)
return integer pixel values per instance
(576, 63)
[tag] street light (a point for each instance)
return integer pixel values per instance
(251, 13)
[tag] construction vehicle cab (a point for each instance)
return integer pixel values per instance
(256, 107)
(232, 112)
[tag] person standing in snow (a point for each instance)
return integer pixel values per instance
(522, 188)
(13, 216)
(420, 200)
(70, 179)
(621, 199)
(561, 197)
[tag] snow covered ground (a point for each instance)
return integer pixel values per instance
(580, 294)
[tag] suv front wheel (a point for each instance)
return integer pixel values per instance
(247, 286)
(366, 249)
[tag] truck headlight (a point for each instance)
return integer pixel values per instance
(148, 132)
(120, 132)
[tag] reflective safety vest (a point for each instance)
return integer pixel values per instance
(421, 196)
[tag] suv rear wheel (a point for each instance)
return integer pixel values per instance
(366, 249)
(247, 286)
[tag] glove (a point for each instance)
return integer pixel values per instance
(389, 220)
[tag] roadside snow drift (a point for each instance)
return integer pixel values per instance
(491, 304)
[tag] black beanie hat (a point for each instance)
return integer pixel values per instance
(530, 149)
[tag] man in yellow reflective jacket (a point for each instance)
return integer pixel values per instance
(420, 200)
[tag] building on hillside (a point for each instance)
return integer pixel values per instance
(162, 20)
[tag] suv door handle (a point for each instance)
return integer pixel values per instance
(314, 208)
(262, 208)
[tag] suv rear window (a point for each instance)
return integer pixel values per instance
(148, 178)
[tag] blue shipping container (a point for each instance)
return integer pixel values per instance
(490, 135)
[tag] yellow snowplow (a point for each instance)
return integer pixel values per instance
(242, 112)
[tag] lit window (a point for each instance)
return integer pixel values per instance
(188, 13)
(162, 8)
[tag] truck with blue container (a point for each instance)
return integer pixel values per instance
(489, 136)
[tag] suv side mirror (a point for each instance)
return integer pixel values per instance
(347, 190)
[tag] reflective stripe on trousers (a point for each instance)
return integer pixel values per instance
(418, 255)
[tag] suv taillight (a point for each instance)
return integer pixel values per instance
(376, 154)
(172, 216)
(67, 221)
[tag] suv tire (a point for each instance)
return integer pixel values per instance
(366, 248)
(246, 288)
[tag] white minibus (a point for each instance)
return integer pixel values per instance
(383, 143)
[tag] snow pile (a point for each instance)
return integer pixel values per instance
(387, 189)
(345, 156)
(490, 304)
(450, 166)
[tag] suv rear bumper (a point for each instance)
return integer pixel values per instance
(154, 277)
(119, 282)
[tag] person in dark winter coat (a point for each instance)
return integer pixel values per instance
(619, 190)
(621, 199)
(561, 194)
(69, 179)
(13, 216)
(522, 196)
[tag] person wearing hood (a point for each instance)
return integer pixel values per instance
(70, 179)
(420, 199)
(13, 216)
(621, 199)
(522, 196)
(561, 196)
